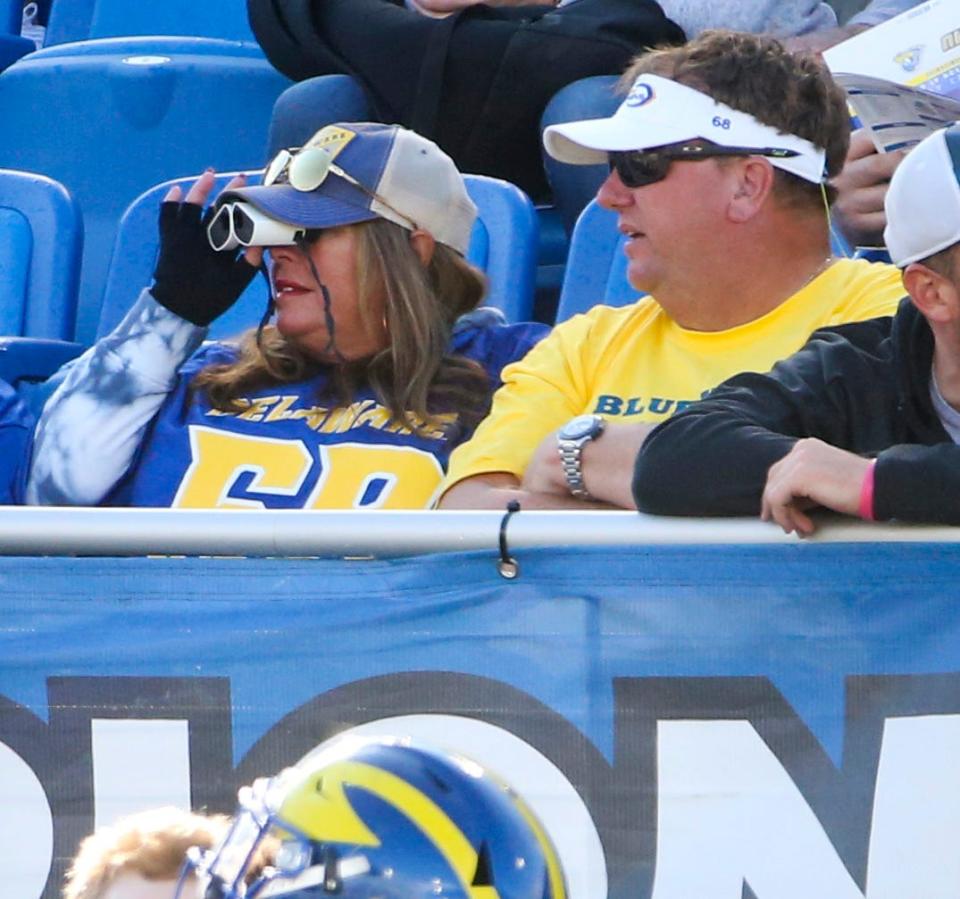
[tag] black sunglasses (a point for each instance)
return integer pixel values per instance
(638, 168)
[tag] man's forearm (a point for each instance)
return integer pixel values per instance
(608, 464)
(497, 490)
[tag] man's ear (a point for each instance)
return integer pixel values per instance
(423, 243)
(753, 182)
(935, 295)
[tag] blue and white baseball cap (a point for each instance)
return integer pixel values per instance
(923, 200)
(659, 111)
(367, 170)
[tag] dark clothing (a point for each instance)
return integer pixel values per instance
(863, 387)
(475, 82)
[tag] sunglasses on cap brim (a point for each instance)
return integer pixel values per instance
(306, 168)
(638, 168)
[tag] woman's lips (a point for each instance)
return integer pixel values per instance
(284, 288)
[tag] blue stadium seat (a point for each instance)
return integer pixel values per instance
(69, 21)
(41, 237)
(576, 185)
(873, 254)
(503, 244)
(80, 20)
(573, 186)
(12, 45)
(596, 266)
(308, 105)
(10, 16)
(109, 122)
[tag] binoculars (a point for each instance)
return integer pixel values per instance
(241, 224)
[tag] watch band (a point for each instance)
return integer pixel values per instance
(571, 439)
(570, 459)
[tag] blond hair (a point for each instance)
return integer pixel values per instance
(414, 376)
(152, 844)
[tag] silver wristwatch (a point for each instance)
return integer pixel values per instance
(571, 439)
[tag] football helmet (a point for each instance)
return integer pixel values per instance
(375, 818)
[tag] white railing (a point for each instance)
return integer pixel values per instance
(135, 532)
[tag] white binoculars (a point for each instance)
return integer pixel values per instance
(241, 224)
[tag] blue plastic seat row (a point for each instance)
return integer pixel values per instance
(111, 118)
(81, 20)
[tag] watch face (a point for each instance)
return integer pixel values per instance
(582, 426)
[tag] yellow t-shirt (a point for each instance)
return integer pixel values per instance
(635, 364)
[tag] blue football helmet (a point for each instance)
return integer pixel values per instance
(382, 819)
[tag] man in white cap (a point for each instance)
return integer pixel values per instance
(719, 158)
(865, 419)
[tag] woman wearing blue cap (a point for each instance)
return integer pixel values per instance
(352, 396)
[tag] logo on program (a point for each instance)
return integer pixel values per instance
(640, 94)
(908, 60)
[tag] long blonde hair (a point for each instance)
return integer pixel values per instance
(414, 376)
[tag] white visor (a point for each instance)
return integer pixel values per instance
(659, 111)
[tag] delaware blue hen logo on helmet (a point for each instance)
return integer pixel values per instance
(384, 818)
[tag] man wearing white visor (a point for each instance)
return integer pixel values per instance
(719, 158)
(864, 420)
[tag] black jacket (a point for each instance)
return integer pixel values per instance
(475, 82)
(862, 387)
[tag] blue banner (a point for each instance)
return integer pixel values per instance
(730, 721)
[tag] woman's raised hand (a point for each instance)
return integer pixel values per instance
(192, 279)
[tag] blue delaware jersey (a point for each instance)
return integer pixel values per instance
(16, 430)
(287, 449)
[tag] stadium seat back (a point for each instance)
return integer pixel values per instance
(305, 107)
(225, 19)
(10, 16)
(80, 20)
(69, 21)
(40, 245)
(109, 124)
(574, 186)
(504, 244)
(596, 266)
(12, 44)
(16, 247)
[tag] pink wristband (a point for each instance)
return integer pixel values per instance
(865, 509)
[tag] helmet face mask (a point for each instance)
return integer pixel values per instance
(222, 871)
(383, 820)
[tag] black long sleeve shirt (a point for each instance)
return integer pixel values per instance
(863, 387)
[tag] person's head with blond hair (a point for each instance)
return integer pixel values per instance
(141, 855)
